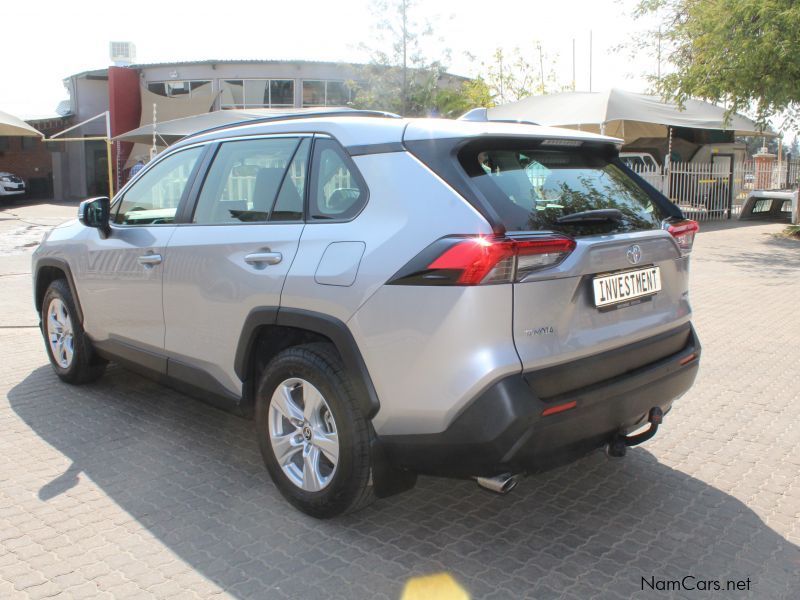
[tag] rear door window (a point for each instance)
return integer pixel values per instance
(243, 181)
(533, 189)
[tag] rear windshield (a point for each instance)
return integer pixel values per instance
(533, 189)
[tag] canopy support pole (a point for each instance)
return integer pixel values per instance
(668, 164)
(109, 158)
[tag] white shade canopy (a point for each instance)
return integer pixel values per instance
(14, 126)
(622, 114)
(169, 132)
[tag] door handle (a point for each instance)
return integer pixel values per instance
(258, 258)
(149, 260)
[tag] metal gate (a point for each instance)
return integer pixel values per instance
(717, 190)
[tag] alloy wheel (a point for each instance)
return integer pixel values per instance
(60, 334)
(303, 434)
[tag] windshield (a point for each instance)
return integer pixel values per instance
(533, 189)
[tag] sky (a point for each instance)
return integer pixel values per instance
(44, 41)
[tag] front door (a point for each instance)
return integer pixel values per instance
(234, 256)
(121, 276)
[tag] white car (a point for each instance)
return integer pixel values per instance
(11, 185)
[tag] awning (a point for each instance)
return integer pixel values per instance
(169, 132)
(622, 114)
(13, 126)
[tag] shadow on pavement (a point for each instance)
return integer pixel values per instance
(192, 476)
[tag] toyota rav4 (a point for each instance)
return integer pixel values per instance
(386, 296)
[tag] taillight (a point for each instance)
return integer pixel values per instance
(483, 260)
(683, 232)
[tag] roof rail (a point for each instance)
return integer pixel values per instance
(298, 115)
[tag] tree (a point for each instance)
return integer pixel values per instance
(514, 75)
(744, 54)
(400, 78)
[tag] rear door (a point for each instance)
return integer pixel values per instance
(626, 279)
(234, 255)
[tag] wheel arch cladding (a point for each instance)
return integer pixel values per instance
(47, 271)
(321, 325)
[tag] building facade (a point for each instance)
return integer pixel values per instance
(136, 94)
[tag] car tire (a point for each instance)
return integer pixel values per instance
(68, 347)
(310, 384)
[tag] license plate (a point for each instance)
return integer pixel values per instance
(625, 286)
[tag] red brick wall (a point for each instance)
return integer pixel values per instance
(26, 163)
(34, 161)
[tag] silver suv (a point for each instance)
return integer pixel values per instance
(386, 296)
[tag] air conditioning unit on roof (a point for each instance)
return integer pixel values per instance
(123, 54)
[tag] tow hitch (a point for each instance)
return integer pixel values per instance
(618, 445)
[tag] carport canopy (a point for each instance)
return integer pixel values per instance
(14, 126)
(169, 132)
(622, 114)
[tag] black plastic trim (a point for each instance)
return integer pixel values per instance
(325, 325)
(384, 148)
(200, 383)
(551, 382)
(188, 203)
(503, 430)
(340, 335)
(137, 359)
(170, 372)
(63, 266)
(264, 315)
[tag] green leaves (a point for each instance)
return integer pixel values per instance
(744, 54)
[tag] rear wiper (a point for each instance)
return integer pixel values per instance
(587, 216)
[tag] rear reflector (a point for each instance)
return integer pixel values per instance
(687, 359)
(559, 408)
(683, 232)
(478, 260)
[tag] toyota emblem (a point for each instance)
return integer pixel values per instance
(634, 254)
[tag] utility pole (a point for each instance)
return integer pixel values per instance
(658, 54)
(502, 91)
(590, 60)
(405, 56)
(573, 64)
(541, 67)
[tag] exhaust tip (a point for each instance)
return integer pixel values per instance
(499, 484)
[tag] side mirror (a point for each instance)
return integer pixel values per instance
(96, 212)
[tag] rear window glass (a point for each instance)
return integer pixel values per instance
(535, 189)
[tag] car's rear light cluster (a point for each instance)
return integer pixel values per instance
(683, 232)
(479, 260)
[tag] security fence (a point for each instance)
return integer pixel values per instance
(717, 190)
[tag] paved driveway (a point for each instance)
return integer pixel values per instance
(126, 489)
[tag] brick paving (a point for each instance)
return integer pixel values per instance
(124, 488)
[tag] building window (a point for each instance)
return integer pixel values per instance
(325, 93)
(28, 143)
(4, 143)
(256, 93)
(173, 89)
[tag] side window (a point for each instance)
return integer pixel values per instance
(154, 198)
(289, 205)
(244, 180)
(337, 190)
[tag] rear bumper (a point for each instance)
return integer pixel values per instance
(503, 429)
